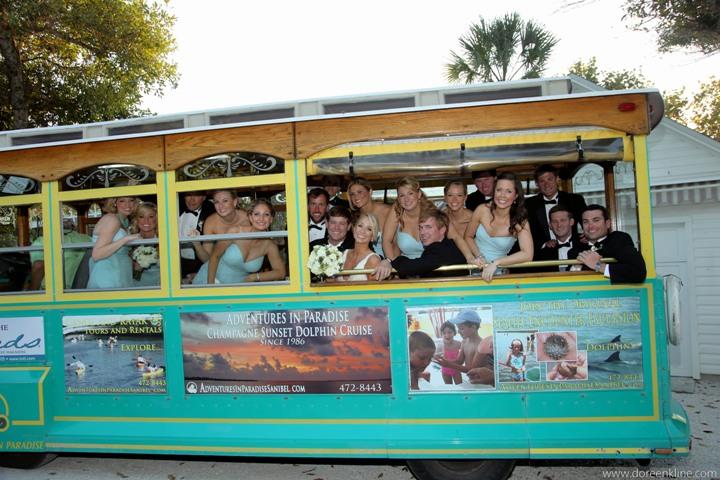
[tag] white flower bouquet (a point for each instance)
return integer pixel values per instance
(145, 256)
(325, 261)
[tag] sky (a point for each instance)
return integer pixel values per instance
(234, 53)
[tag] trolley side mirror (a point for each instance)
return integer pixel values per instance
(672, 285)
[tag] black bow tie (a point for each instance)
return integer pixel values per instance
(550, 202)
(567, 244)
(191, 212)
(312, 226)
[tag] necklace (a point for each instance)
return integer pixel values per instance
(231, 221)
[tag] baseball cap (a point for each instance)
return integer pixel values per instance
(469, 316)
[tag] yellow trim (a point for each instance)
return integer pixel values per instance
(512, 290)
(294, 196)
(20, 200)
(486, 139)
(614, 451)
(163, 228)
(628, 149)
(653, 355)
(96, 193)
(642, 187)
(233, 182)
(592, 451)
(55, 278)
(173, 235)
(41, 396)
(358, 421)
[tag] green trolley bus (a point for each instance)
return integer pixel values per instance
(279, 362)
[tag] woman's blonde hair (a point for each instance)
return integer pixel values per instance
(143, 207)
(109, 205)
(423, 202)
(363, 183)
(373, 222)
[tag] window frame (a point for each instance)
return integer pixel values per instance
(42, 199)
(284, 180)
(156, 189)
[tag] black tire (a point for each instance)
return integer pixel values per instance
(643, 462)
(25, 461)
(461, 469)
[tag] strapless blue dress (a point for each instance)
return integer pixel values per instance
(492, 248)
(114, 271)
(408, 246)
(232, 267)
(150, 277)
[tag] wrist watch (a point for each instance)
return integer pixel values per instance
(598, 267)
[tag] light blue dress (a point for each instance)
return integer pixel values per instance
(492, 248)
(408, 246)
(232, 267)
(150, 277)
(377, 247)
(114, 271)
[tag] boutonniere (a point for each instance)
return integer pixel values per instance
(596, 247)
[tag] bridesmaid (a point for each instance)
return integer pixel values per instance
(226, 216)
(360, 195)
(401, 233)
(495, 227)
(240, 260)
(145, 224)
(110, 265)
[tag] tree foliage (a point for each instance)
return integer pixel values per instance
(501, 49)
(706, 109)
(610, 79)
(701, 112)
(693, 24)
(77, 61)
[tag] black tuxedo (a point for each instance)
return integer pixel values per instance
(188, 265)
(347, 244)
(476, 199)
(619, 245)
(553, 253)
(434, 255)
(538, 218)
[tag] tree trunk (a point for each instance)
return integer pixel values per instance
(14, 72)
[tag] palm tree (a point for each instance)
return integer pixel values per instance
(501, 50)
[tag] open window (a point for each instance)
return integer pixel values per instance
(221, 241)
(101, 208)
(22, 267)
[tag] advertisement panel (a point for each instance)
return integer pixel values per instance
(591, 344)
(22, 339)
(329, 350)
(114, 353)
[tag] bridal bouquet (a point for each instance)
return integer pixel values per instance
(325, 260)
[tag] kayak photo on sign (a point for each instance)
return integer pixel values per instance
(114, 353)
(331, 350)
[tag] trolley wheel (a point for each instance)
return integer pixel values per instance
(461, 469)
(25, 461)
(643, 462)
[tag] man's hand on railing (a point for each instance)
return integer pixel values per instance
(383, 270)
